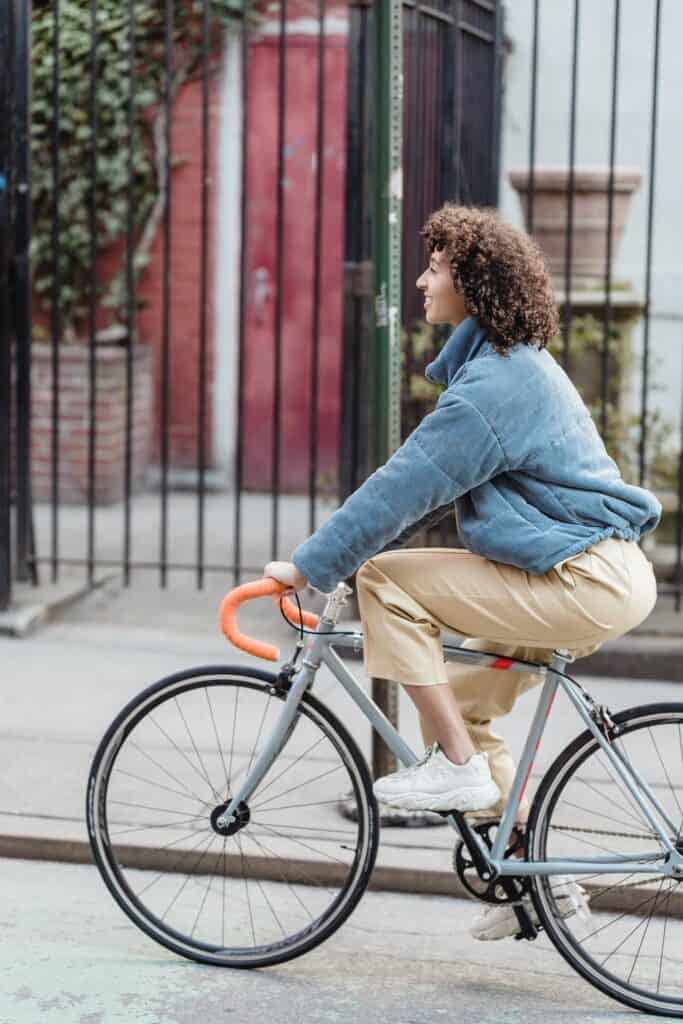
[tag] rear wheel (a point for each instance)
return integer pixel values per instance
(278, 881)
(631, 945)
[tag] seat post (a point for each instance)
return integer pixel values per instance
(561, 657)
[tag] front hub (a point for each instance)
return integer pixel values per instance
(242, 816)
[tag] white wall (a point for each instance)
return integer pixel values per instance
(593, 140)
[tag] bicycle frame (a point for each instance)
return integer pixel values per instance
(319, 650)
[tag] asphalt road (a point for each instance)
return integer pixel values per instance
(69, 956)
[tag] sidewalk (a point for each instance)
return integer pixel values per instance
(64, 686)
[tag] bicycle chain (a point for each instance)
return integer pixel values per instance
(601, 832)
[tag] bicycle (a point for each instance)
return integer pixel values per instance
(248, 866)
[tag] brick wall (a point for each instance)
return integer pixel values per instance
(74, 421)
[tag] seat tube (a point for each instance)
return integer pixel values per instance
(526, 763)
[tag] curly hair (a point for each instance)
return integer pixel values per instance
(501, 272)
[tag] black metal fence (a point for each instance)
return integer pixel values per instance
(454, 76)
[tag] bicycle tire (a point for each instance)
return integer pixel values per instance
(638, 899)
(117, 864)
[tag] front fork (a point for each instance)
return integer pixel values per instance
(295, 683)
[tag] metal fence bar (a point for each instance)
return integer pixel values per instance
(277, 366)
(317, 259)
(531, 195)
(55, 305)
(498, 88)
(678, 576)
(131, 330)
(22, 281)
(648, 247)
(203, 289)
(239, 445)
(566, 325)
(607, 317)
(459, 80)
(166, 314)
(5, 335)
(92, 366)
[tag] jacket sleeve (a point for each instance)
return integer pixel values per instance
(451, 451)
(422, 524)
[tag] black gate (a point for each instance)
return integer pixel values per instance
(135, 60)
(452, 89)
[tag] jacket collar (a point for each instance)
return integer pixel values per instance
(462, 345)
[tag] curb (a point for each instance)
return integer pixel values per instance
(77, 851)
(25, 617)
(384, 878)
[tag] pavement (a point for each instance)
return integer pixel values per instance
(69, 956)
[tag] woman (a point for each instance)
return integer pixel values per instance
(549, 526)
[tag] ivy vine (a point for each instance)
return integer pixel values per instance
(112, 59)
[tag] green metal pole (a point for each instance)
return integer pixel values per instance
(387, 284)
(387, 225)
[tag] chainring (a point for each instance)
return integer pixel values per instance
(463, 865)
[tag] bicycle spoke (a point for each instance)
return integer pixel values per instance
(308, 828)
(246, 886)
(158, 785)
(661, 761)
(270, 853)
(291, 765)
(194, 747)
(187, 876)
(219, 748)
(146, 807)
(201, 906)
(146, 828)
(298, 786)
(162, 874)
(608, 817)
(223, 894)
(311, 849)
(182, 754)
(170, 775)
(661, 951)
(639, 818)
(232, 742)
(258, 735)
(644, 920)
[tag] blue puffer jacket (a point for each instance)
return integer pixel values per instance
(512, 444)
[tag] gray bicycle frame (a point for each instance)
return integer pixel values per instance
(319, 651)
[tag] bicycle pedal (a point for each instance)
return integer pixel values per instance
(528, 930)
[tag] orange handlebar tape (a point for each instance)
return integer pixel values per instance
(246, 592)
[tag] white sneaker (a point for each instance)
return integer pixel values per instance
(435, 783)
(500, 922)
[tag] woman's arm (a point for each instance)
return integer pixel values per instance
(422, 524)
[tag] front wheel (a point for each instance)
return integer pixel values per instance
(276, 882)
(630, 946)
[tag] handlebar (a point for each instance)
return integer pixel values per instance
(248, 591)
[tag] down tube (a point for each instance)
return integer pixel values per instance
(377, 719)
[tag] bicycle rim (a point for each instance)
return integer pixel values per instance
(294, 870)
(630, 945)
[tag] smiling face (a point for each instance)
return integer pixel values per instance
(444, 304)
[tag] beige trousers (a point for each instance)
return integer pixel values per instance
(406, 597)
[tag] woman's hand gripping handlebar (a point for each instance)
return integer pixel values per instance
(247, 591)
